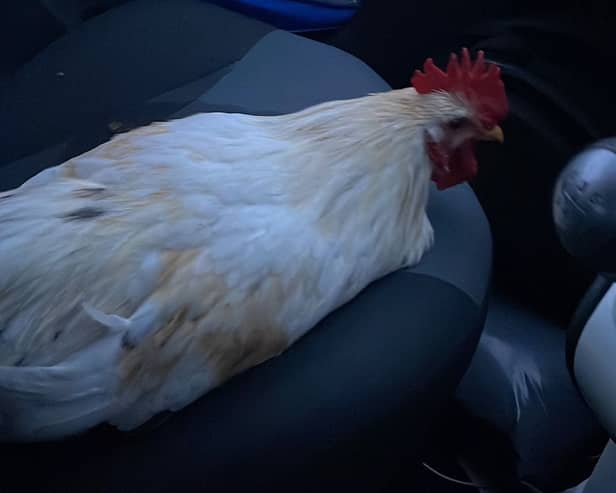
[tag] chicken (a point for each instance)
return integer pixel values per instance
(138, 276)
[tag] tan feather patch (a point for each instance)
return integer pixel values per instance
(222, 339)
(68, 170)
(223, 352)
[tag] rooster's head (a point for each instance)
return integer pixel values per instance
(467, 103)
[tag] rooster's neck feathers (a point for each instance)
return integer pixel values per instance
(382, 120)
(368, 151)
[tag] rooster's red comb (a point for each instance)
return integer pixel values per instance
(478, 81)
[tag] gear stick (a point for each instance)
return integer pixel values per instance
(584, 207)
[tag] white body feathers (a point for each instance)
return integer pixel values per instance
(138, 276)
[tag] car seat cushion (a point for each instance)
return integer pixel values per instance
(363, 387)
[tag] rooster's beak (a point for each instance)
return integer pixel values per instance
(495, 133)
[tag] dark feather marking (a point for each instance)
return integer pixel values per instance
(84, 213)
(84, 193)
(56, 335)
(7, 196)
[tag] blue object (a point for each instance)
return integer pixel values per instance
(295, 15)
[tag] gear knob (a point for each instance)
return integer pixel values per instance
(584, 206)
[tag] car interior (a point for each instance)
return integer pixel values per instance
(486, 367)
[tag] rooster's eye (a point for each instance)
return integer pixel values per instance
(458, 123)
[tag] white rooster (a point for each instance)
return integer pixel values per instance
(138, 276)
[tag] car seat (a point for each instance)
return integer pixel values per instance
(350, 405)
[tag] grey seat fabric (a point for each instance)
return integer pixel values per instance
(107, 66)
(353, 402)
(519, 385)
